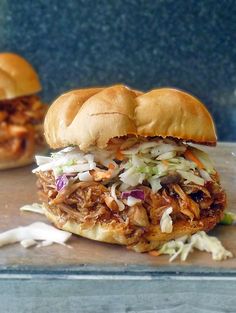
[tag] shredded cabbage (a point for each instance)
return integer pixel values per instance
(167, 155)
(204, 158)
(141, 147)
(155, 183)
(40, 160)
(131, 177)
(66, 161)
(135, 193)
(152, 160)
(85, 176)
(205, 175)
(192, 178)
(36, 231)
(132, 201)
(47, 243)
(165, 148)
(27, 243)
(123, 187)
(35, 208)
(113, 194)
(228, 219)
(201, 241)
(103, 156)
(144, 162)
(61, 182)
(166, 221)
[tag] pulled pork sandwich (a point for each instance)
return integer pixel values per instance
(125, 173)
(21, 112)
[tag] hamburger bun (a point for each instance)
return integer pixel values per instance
(17, 77)
(25, 159)
(91, 117)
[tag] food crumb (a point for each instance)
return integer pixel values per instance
(154, 253)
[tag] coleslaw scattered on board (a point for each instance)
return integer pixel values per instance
(183, 246)
(180, 247)
(33, 234)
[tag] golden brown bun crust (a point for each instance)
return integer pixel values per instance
(26, 159)
(17, 77)
(154, 238)
(179, 115)
(91, 117)
(16, 163)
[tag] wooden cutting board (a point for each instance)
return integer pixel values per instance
(17, 187)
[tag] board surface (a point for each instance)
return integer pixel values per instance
(17, 187)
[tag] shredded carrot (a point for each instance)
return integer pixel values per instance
(154, 253)
(111, 166)
(107, 174)
(100, 175)
(165, 162)
(119, 155)
(190, 156)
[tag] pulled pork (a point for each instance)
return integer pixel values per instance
(20, 126)
(89, 202)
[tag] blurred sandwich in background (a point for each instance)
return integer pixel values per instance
(21, 112)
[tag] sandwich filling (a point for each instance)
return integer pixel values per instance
(135, 182)
(20, 127)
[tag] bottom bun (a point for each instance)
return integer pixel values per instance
(151, 239)
(23, 161)
(16, 163)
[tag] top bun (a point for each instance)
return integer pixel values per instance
(91, 117)
(17, 77)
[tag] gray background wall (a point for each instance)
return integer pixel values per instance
(142, 43)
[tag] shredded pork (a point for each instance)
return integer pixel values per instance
(131, 185)
(20, 126)
(89, 202)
